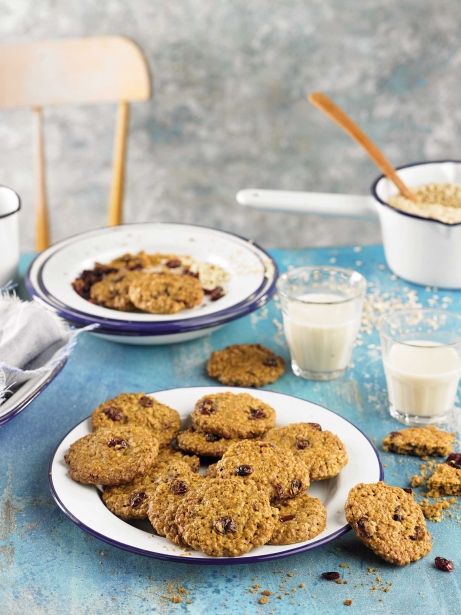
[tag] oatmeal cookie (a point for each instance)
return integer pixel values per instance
(389, 521)
(112, 291)
(165, 293)
(322, 451)
(112, 456)
(300, 519)
(131, 262)
(204, 444)
(419, 441)
(131, 501)
(245, 365)
(165, 500)
(168, 455)
(211, 471)
(232, 415)
(446, 479)
(225, 517)
(138, 409)
(273, 468)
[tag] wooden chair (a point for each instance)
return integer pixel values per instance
(74, 71)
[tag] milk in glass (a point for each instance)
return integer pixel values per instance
(320, 329)
(422, 377)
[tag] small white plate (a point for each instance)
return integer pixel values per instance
(83, 505)
(252, 277)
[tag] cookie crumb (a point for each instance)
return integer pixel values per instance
(347, 602)
(434, 510)
(343, 565)
(266, 592)
(263, 600)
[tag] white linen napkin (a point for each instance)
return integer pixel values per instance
(32, 341)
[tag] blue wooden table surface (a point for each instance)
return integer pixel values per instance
(49, 566)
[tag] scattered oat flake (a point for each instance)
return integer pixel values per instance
(343, 565)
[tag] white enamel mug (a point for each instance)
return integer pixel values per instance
(420, 250)
(10, 204)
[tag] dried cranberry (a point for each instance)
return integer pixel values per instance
(146, 402)
(286, 518)
(212, 437)
(207, 406)
(225, 525)
(173, 263)
(331, 576)
(279, 490)
(270, 362)
(257, 413)
(135, 266)
(454, 460)
(296, 486)
(316, 426)
(216, 293)
(419, 533)
(302, 443)
(117, 443)
(82, 285)
(394, 434)
(407, 489)
(444, 564)
(113, 413)
(193, 274)
(137, 499)
(397, 516)
(243, 470)
(361, 527)
(179, 487)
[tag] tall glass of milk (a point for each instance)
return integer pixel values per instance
(422, 361)
(321, 309)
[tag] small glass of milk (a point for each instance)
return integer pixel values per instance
(422, 361)
(321, 307)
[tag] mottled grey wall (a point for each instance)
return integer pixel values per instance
(229, 108)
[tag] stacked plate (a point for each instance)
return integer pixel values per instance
(252, 277)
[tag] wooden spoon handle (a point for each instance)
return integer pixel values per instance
(325, 104)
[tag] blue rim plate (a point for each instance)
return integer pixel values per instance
(83, 505)
(36, 286)
(27, 393)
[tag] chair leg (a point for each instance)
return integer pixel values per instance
(118, 166)
(42, 229)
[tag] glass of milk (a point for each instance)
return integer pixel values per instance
(321, 308)
(422, 361)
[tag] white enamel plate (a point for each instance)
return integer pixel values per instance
(252, 276)
(83, 505)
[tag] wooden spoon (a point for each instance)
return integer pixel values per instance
(325, 104)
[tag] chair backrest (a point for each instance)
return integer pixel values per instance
(75, 71)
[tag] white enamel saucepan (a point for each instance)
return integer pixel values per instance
(421, 250)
